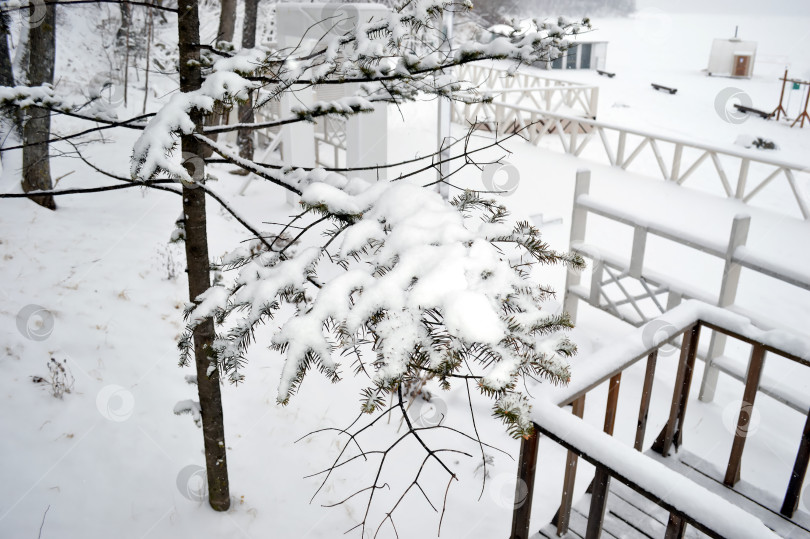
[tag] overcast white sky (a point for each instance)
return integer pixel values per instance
(775, 7)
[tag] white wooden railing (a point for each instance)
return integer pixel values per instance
(526, 89)
(662, 292)
(713, 514)
(741, 175)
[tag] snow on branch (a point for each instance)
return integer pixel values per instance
(396, 57)
(434, 288)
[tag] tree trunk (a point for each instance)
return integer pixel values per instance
(197, 262)
(6, 72)
(126, 20)
(36, 168)
(227, 20)
(227, 25)
(244, 137)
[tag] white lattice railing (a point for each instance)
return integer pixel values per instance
(529, 90)
(626, 288)
(330, 135)
(738, 174)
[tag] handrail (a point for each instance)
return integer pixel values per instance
(665, 138)
(611, 360)
(576, 132)
(687, 502)
(679, 495)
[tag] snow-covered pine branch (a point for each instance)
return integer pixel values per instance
(438, 290)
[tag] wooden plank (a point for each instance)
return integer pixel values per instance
(653, 511)
(562, 518)
(748, 498)
(579, 521)
(671, 433)
(634, 517)
(755, 365)
(646, 398)
(676, 528)
(792, 494)
(527, 465)
(612, 403)
(692, 349)
(596, 514)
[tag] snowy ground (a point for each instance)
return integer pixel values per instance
(111, 459)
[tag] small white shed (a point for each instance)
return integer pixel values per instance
(302, 25)
(583, 55)
(732, 57)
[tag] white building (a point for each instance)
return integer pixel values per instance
(732, 57)
(365, 134)
(583, 55)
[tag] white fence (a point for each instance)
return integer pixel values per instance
(627, 289)
(527, 90)
(736, 174)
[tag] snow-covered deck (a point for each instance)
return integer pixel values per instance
(718, 507)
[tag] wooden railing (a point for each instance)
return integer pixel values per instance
(525, 89)
(741, 175)
(662, 291)
(331, 133)
(613, 459)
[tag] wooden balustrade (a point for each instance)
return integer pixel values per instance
(671, 435)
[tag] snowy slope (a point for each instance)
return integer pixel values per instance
(110, 458)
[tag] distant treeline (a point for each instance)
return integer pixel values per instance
(500, 11)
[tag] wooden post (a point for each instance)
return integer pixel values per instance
(579, 220)
(804, 114)
(692, 347)
(612, 403)
(676, 163)
(676, 527)
(728, 293)
(563, 516)
(744, 420)
(799, 471)
(637, 253)
(594, 102)
(527, 465)
(742, 179)
(646, 397)
(672, 431)
(596, 515)
(780, 109)
(620, 149)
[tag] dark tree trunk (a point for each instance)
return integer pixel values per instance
(36, 168)
(227, 25)
(6, 71)
(126, 20)
(199, 270)
(244, 137)
(227, 20)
